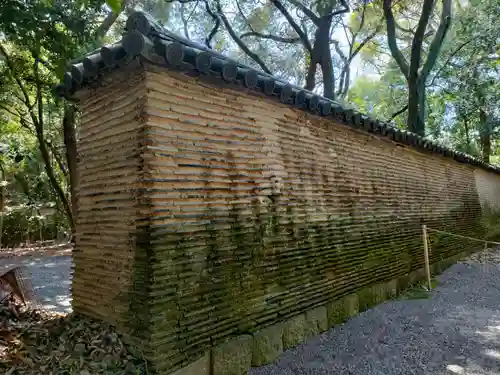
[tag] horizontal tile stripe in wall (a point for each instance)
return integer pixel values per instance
(109, 168)
(261, 212)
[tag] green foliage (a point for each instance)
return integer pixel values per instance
(461, 106)
(419, 290)
(38, 38)
(466, 82)
(25, 223)
(115, 5)
(260, 17)
(380, 97)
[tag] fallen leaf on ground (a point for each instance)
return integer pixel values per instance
(32, 340)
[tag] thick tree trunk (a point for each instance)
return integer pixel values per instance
(322, 40)
(322, 56)
(417, 71)
(311, 74)
(421, 108)
(328, 76)
(416, 107)
(413, 101)
(69, 131)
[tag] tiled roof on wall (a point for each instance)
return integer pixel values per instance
(144, 38)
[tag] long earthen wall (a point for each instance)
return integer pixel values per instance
(240, 213)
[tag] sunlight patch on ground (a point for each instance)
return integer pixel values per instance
(456, 369)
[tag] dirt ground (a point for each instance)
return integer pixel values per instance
(47, 269)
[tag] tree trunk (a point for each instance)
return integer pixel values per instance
(71, 154)
(52, 178)
(467, 134)
(56, 156)
(322, 40)
(38, 122)
(413, 100)
(417, 71)
(485, 136)
(346, 83)
(2, 202)
(421, 108)
(321, 55)
(328, 76)
(416, 107)
(311, 73)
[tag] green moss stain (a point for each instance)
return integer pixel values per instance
(367, 298)
(342, 309)
(268, 265)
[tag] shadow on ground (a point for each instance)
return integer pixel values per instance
(50, 277)
(455, 331)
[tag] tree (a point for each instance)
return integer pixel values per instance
(289, 38)
(380, 97)
(316, 18)
(39, 38)
(417, 70)
(467, 77)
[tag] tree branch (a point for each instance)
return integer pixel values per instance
(418, 39)
(345, 66)
(39, 128)
(391, 39)
(308, 12)
(363, 43)
(344, 75)
(239, 42)
(448, 61)
(399, 27)
(7, 109)
(438, 39)
(345, 9)
(363, 17)
(304, 28)
(58, 158)
(260, 35)
(293, 24)
(215, 29)
(396, 114)
(339, 51)
(271, 37)
(110, 20)
(350, 41)
(184, 22)
(26, 98)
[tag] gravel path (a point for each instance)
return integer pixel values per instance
(50, 276)
(455, 331)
